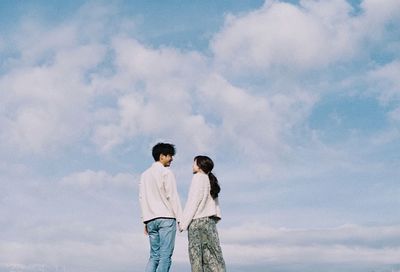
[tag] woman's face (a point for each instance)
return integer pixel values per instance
(195, 167)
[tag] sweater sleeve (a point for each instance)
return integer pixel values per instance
(141, 199)
(193, 202)
(172, 195)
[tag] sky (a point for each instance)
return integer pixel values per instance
(297, 103)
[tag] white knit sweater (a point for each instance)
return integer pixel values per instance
(158, 195)
(199, 203)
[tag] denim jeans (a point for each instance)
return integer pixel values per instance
(162, 233)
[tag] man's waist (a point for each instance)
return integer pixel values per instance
(162, 217)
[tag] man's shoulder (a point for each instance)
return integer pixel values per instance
(147, 170)
(158, 169)
(167, 172)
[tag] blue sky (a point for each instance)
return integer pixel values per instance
(297, 102)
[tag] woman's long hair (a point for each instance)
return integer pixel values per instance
(206, 164)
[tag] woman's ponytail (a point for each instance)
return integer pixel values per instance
(215, 188)
(206, 164)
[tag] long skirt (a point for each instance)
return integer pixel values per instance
(205, 252)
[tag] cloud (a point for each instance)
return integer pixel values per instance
(386, 81)
(47, 94)
(385, 85)
(309, 36)
(350, 234)
(90, 85)
(45, 101)
(249, 123)
(121, 89)
(154, 93)
(112, 250)
(254, 243)
(378, 15)
(251, 245)
(90, 178)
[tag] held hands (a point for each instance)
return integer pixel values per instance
(180, 227)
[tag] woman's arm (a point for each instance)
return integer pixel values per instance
(193, 202)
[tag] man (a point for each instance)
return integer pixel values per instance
(161, 207)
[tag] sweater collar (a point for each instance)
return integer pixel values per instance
(158, 164)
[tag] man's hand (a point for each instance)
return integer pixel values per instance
(145, 230)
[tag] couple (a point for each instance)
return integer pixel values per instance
(161, 211)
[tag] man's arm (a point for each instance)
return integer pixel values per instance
(141, 197)
(172, 195)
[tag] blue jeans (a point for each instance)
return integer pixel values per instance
(162, 233)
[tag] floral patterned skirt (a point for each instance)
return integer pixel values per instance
(204, 249)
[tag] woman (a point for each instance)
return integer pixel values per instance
(200, 216)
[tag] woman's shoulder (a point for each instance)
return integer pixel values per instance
(200, 177)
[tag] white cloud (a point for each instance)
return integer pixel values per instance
(335, 254)
(346, 244)
(74, 82)
(388, 136)
(349, 234)
(386, 81)
(280, 34)
(153, 88)
(377, 14)
(157, 64)
(46, 88)
(385, 85)
(53, 87)
(241, 115)
(395, 114)
(310, 36)
(176, 95)
(117, 249)
(255, 126)
(90, 178)
(45, 105)
(81, 247)
(155, 91)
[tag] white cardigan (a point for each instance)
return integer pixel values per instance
(199, 203)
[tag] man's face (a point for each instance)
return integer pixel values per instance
(166, 160)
